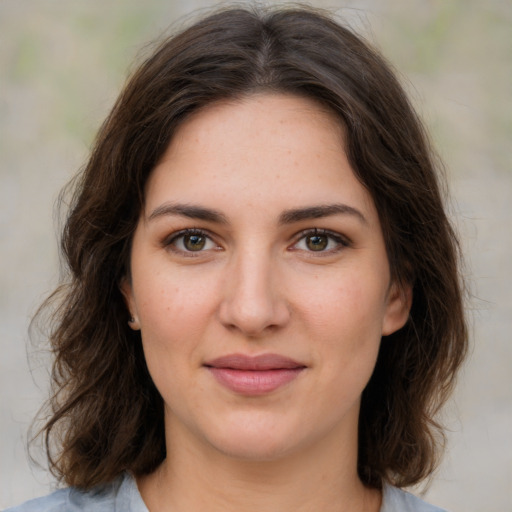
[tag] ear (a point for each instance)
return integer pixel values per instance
(127, 290)
(398, 306)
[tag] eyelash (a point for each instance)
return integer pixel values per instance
(171, 241)
(340, 241)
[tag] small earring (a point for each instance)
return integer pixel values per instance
(134, 324)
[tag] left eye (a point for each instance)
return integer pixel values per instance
(320, 241)
(192, 242)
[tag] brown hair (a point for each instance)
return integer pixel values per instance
(107, 416)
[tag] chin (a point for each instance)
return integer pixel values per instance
(254, 450)
(252, 440)
(260, 441)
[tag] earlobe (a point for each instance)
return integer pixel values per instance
(134, 323)
(398, 306)
(126, 289)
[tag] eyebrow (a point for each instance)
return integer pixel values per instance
(287, 217)
(188, 210)
(317, 212)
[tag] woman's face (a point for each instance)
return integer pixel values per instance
(260, 281)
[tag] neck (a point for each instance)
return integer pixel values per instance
(319, 478)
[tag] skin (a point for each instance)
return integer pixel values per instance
(258, 282)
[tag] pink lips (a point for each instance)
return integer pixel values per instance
(254, 375)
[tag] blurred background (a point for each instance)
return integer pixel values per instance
(62, 64)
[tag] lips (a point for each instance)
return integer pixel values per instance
(256, 375)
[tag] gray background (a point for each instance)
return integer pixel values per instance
(62, 64)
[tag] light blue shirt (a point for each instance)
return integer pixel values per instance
(123, 496)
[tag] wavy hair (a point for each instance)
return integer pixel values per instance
(106, 415)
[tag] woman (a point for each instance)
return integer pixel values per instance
(264, 310)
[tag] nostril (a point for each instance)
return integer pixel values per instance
(254, 321)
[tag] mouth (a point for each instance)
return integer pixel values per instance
(254, 375)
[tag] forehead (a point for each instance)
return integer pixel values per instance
(263, 148)
(283, 107)
(277, 119)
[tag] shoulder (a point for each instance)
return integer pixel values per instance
(122, 494)
(397, 500)
(54, 502)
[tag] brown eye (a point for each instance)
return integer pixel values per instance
(317, 242)
(189, 242)
(194, 242)
(320, 241)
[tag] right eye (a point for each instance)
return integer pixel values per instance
(190, 241)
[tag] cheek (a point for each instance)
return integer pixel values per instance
(175, 310)
(352, 303)
(346, 324)
(172, 318)
(172, 298)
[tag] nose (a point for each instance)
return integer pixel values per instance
(253, 299)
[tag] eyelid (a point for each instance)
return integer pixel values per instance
(342, 240)
(169, 240)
